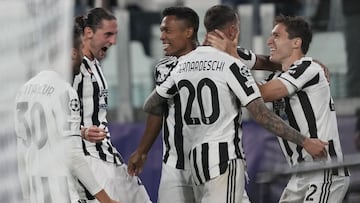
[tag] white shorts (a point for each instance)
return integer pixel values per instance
(311, 187)
(175, 186)
(117, 182)
(226, 188)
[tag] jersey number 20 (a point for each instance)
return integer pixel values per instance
(206, 82)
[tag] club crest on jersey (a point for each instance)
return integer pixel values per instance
(74, 105)
(244, 71)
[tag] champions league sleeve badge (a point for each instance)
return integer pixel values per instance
(74, 105)
(244, 71)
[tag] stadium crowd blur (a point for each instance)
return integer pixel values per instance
(336, 43)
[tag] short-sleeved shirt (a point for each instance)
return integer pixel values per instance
(92, 89)
(47, 124)
(212, 87)
(175, 147)
(309, 108)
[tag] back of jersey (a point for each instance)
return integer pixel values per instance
(212, 86)
(46, 114)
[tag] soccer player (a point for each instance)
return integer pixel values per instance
(47, 124)
(179, 28)
(301, 95)
(212, 87)
(100, 30)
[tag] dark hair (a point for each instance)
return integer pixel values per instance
(186, 14)
(77, 33)
(218, 16)
(296, 26)
(94, 18)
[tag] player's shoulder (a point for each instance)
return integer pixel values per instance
(305, 64)
(163, 68)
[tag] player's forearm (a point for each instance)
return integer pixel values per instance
(78, 165)
(152, 130)
(263, 63)
(273, 123)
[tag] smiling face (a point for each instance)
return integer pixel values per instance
(175, 36)
(282, 49)
(97, 42)
(279, 43)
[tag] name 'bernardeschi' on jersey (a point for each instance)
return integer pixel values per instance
(206, 65)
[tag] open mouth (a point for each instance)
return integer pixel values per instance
(104, 49)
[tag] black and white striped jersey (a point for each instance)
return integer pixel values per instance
(175, 147)
(212, 86)
(91, 87)
(309, 108)
(47, 122)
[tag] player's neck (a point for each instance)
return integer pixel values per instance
(88, 55)
(291, 60)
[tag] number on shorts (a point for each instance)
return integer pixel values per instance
(309, 197)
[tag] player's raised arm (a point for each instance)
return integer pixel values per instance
(219, 40)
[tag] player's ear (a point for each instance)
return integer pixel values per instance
(189, 32)
(88, 32)
(233, 31)
(297, 43)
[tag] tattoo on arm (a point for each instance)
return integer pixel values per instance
(154, 104)
(273, 123)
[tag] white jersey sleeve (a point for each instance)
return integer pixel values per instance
(300, 74)
(167, 89)
(242, 83)
(163, 68)
(247, 57)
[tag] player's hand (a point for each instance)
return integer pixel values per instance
(316, 148)
(136, 163)
(103, 197)
(219, 40)
(94, 134)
